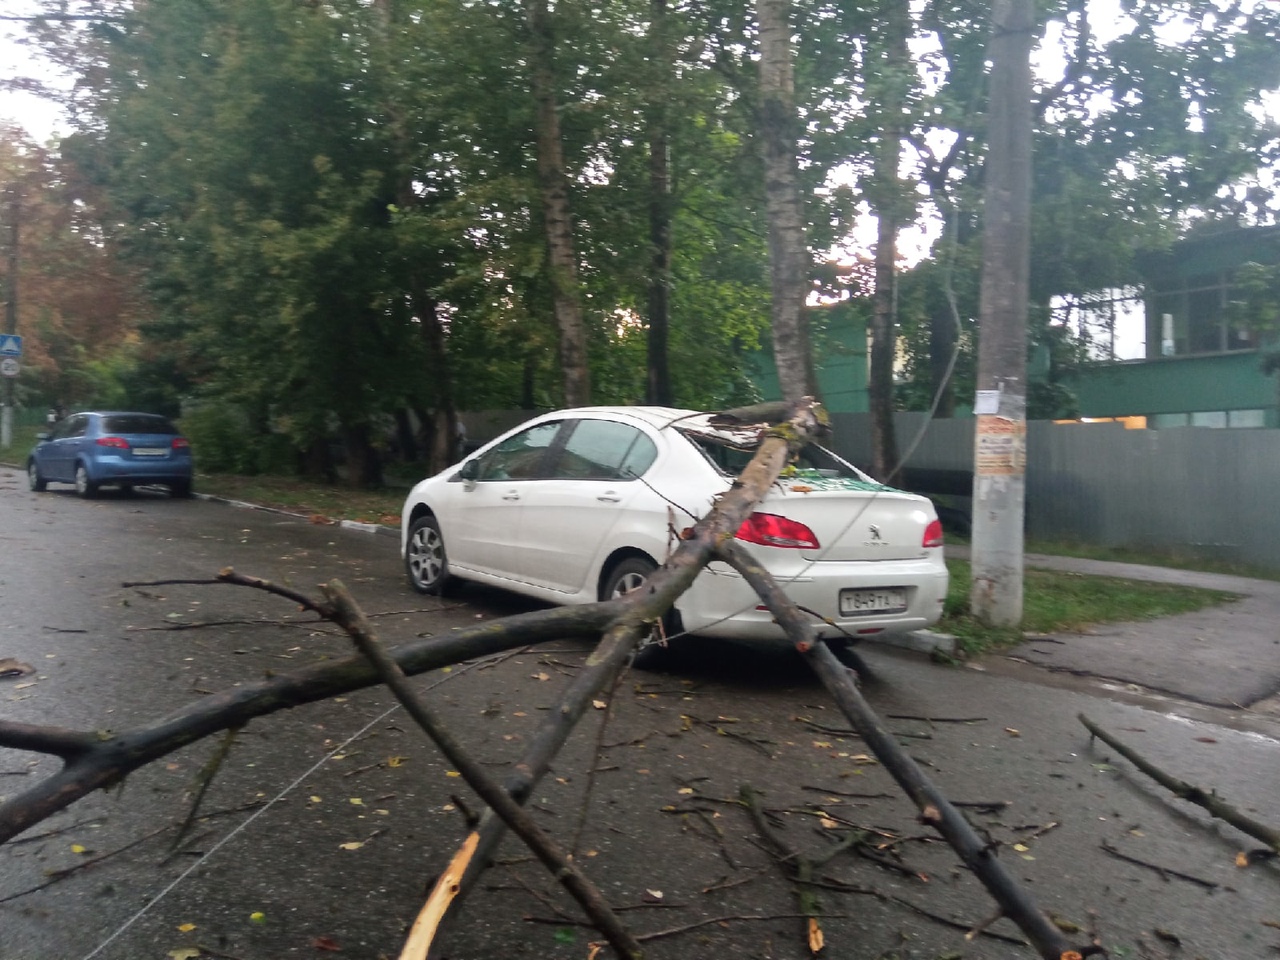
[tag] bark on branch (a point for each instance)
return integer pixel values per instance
(935, 809)
(1209, 800)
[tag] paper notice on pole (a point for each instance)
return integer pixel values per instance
(986, 401)
(1000, 447)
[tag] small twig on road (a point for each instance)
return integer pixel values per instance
(719, 728)
(1165, 872)
(909, 716)
(840, 886)
(1210, 800)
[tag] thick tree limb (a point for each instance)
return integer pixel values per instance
(935, 810)
(98, 759)
(1185, 791)
(349, 616)
(646, 607)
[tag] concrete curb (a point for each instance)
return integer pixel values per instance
(919, 641)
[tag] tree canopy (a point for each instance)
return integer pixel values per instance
(335, 217)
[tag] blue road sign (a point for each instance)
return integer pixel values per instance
(10, 345)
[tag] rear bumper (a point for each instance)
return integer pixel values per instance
(721, 603)
(121, 470)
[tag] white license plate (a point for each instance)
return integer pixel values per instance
(149, 451)
(858, 603)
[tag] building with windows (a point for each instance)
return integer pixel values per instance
(1209, 331)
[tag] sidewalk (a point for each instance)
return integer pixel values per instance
(1224, 656)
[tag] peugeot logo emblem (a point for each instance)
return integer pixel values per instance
(875, 532)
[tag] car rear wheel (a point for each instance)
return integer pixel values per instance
(36, 482)
(425, 561)
(180, 489)
(632, 574)
(84, 486)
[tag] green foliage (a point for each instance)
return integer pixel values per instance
(312, 191)
(1058, 602)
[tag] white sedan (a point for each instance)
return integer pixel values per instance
(580, 505)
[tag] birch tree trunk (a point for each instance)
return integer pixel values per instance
(788, 260)
(557, 220)
(889, 87)
(658, 383)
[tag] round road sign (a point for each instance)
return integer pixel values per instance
(9, 367)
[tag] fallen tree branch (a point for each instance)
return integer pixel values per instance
(935, 810)
(98, 759)
(644, 607)
(1210, 800)
(349, 616)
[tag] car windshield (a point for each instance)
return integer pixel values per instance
(137, 423)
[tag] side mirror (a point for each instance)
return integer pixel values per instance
(470, 470)
(42, 437)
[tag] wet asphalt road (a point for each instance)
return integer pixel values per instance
(362, 813)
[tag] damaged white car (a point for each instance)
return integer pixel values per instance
(578, 505)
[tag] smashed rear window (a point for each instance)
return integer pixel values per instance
(137, 423)
(816, 467)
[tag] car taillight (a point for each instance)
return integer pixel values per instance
(180, 443)
(933, 534)
(119, 443)
(770, 530)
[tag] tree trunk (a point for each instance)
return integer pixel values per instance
(999, 476)
(316, 463)
(658, 384)
(788, 261)
(889, 88)
(364, 463)
(942, 344)
(884, 442)
(557, 221)
(406, 442)
(439, 422)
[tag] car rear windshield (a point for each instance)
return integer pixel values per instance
(138, 423)
(731, 458)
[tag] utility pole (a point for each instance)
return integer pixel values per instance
(10, 309)
(1000, 407)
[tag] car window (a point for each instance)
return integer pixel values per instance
(77, 426)
(62, 429)
(813, 460)
(136, 423)
(605, 450)
(519, 457)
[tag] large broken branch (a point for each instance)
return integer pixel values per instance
(646, 607)
(349, 616)
(94, 760)
(935, 809)
(1209, 800)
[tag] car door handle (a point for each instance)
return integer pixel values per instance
(609, 497)
(511, 495)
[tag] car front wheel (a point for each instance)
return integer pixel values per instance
(36, 482)
(425, 562)
(84, 486)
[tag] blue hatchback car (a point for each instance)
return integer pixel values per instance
(105, 448)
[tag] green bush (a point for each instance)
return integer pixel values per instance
(222, 439)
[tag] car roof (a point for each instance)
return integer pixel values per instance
(693, 421)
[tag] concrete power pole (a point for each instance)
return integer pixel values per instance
(10, 310)
(1000, 438)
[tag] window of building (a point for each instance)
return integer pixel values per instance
(1235, 419)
